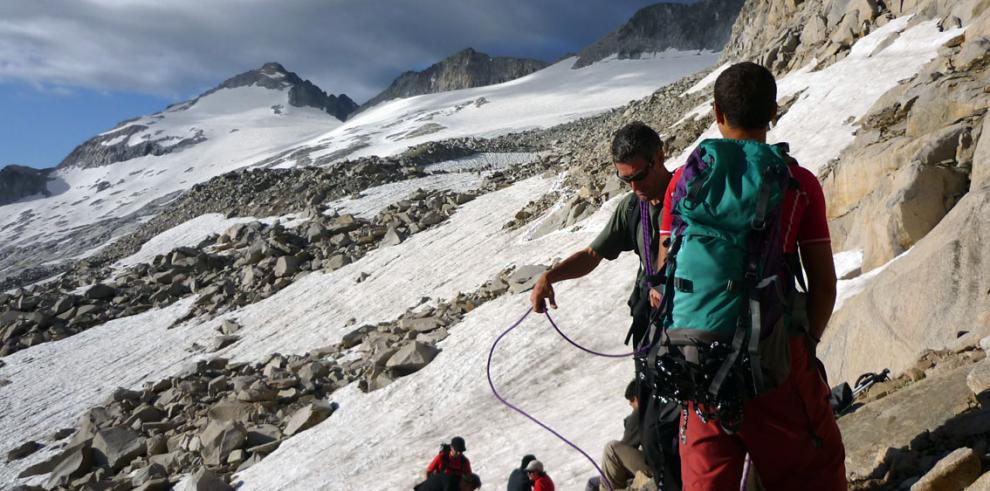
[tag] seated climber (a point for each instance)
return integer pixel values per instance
(517, 479)
(451, 464)
(623, 458)
(541, 481)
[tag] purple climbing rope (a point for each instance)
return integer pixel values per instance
(491, 384)
(586, 350)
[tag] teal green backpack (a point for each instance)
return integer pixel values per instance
(727, 284)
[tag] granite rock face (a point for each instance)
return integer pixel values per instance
(462, 70)
(302, 93)
(17, 182)
(705, 25)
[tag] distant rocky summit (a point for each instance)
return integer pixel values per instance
(117, 145)
(462, 70)
(302, 93)
(17, 182)
(705, 25)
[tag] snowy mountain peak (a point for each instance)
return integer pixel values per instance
(257, 97)
(302, 93)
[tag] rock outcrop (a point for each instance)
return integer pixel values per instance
(704, 25)
(302, 93)
(462, 70)
(18, 182)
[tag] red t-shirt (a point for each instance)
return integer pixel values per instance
(803, 218)
(543, 483)
(455, 465)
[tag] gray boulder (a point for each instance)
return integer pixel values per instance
(23, 450)
(146, 474)
(423, 324)
(957, 470)
(412, 357)
(219, 439)
(73, 462)
(116, 447)
(287, 265)
(309, 416)
(205, 480)
(899, 418)
(100, 291)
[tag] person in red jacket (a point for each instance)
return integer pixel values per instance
(789, 432)
(451, 460)
(541, 481)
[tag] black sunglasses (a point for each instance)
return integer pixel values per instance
(639, 176)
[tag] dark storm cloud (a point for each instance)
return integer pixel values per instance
(181, 47)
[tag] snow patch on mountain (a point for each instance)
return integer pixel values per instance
(545, 98)
(239, 128)
(823, 120)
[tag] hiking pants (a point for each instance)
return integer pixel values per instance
(620, 463)
(789, 432)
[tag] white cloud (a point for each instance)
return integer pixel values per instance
(180, 47)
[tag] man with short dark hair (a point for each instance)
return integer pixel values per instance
(638, 160)
(789, 431)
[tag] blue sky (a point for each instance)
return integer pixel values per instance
(70, 69)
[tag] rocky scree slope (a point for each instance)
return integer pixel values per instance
(462, 70)
(244, 265)
(225, 417)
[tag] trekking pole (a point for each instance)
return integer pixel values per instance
(491, 384)
(867, 380)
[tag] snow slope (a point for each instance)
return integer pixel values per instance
(382, 440)
(554, 95)
(240, 129)
(247, 125)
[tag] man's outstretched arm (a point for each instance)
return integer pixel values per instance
(577, 265)
(818, 263)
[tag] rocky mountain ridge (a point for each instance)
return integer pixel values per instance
(302, 93)
(18, 181)
(704, 25)
(462, 70)
(116, 146)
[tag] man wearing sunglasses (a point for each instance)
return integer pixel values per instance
(638, 158)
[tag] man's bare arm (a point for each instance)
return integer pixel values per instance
(818, 263)
(577, 265)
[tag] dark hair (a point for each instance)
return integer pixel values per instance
(631, 392)
(526, 460)
(746, 93)
(635, 140)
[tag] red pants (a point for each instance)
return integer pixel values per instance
(789, 432)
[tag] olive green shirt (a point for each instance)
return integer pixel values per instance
(618, 235)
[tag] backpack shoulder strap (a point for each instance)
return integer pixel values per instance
(632, 220)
